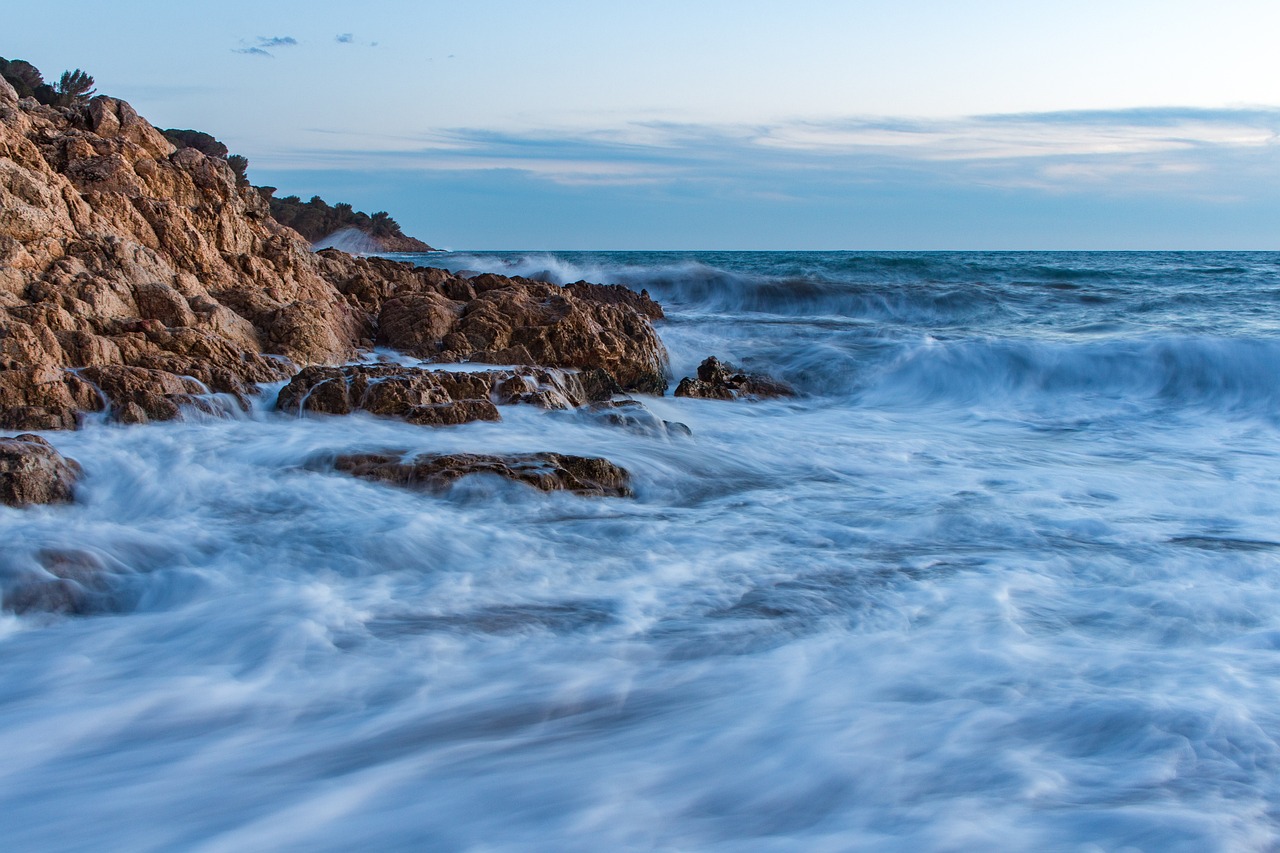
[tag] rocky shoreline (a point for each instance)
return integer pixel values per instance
(139, 281)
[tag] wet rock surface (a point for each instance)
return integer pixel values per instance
(118, 251)
(32, 472)
(719, 381)
(632, 416)
(545, 471)
(58, 580)
(436, 397)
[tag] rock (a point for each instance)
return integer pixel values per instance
(32, 472)
(417, 323)
(632, 416)
(119, 253)
(546, 471)
(68, 581)
(513, 321)
(719, 381)
(433, 397)
(616, 294)
(138, 395)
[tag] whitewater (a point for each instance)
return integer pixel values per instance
(1004, 576)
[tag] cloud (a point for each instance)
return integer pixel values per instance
(1124, 154)
(262, 43)
(344, 38)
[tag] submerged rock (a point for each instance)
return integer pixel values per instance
(32, 472)
(632, 416)
(549, 472)
(719, 381)
(67, 581)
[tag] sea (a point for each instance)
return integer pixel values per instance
(1005, 575)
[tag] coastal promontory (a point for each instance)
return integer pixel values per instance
(137, 278)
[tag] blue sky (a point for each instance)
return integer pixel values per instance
(854, 125)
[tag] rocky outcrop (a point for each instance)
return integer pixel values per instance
(120, 253)
(438, 397)
(32, 472)
(719, 381)
(546, 471)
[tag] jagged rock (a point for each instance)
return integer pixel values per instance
(118, 251)
(616, 294)
(434, 397)
(719, 381)
(32, 472)
(513, 321)
(138, 395)
(546, 471)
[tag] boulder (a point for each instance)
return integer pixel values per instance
(545, 471)
(719, 381)
(32, 472)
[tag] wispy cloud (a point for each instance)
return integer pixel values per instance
(263, 45)
(1102, 153)
(345, 38)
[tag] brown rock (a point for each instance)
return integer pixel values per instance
(616, 294)
(517, 321)
(139, 395)
(546, 471)
(432, 397)
(417, 323)
(32, 472)
(719, 381)
(120, 254)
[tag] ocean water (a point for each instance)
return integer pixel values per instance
(1006, 576)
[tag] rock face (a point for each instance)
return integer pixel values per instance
(719, 381)
(438, 397)
(119, 252)
(32, 472)
(546, 471)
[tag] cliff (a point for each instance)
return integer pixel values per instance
(137, 277)
(340, 226)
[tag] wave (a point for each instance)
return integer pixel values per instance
(758, 286)
(1224, 375)
(981, 290)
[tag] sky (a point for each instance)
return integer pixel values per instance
(865, 124)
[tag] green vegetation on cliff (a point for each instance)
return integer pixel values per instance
(74, 87)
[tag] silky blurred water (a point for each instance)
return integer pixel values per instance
(1005, 576)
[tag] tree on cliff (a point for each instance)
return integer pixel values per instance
(27, 80)
(239, 165)
(202, 142)
(74, 87)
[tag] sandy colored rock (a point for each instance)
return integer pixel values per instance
(119, 253)
(32, 472)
